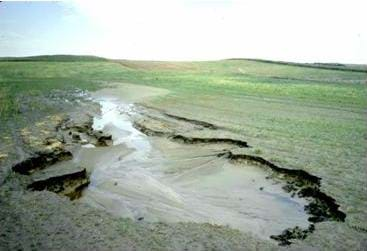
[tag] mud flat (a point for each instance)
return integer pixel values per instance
(170, 182)
(302, 127)
(173, 174)
(151, 175)
(41, 201)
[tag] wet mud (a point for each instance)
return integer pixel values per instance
(196, 178)
(189, 140)
(150, 179)
(193, 121)
(320, 206)
(57, 146)
(69, 183)
(40, 161)
(201, 123)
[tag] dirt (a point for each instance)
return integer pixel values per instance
(36, 193)
(189, 140)
(41, 160)
(321, 207)
(61, 155)
(57, 138)
(65, 182)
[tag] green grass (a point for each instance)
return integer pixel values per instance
(35, 78)
(299, 117)
(229, 77)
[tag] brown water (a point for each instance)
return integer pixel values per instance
(153, 179)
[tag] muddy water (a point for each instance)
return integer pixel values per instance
(153, 179)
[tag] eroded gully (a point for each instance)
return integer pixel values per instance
(155, 179)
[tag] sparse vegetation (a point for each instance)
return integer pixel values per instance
(309, 117)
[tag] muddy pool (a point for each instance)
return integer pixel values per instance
(155, 179)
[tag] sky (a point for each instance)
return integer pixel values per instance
(287, 30)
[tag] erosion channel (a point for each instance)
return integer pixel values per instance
(160, 167)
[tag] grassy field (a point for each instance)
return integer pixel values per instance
(297, 116)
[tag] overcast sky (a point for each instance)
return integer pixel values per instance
(289, 30)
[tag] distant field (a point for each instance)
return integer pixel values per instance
(312, 118)
(19, 76)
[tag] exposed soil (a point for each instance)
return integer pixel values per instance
(50, 164)
(162, 181)
(68, 133)
(38, 219)
(40, 161)
(69, 183)
(321, 207)
(189, 140)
